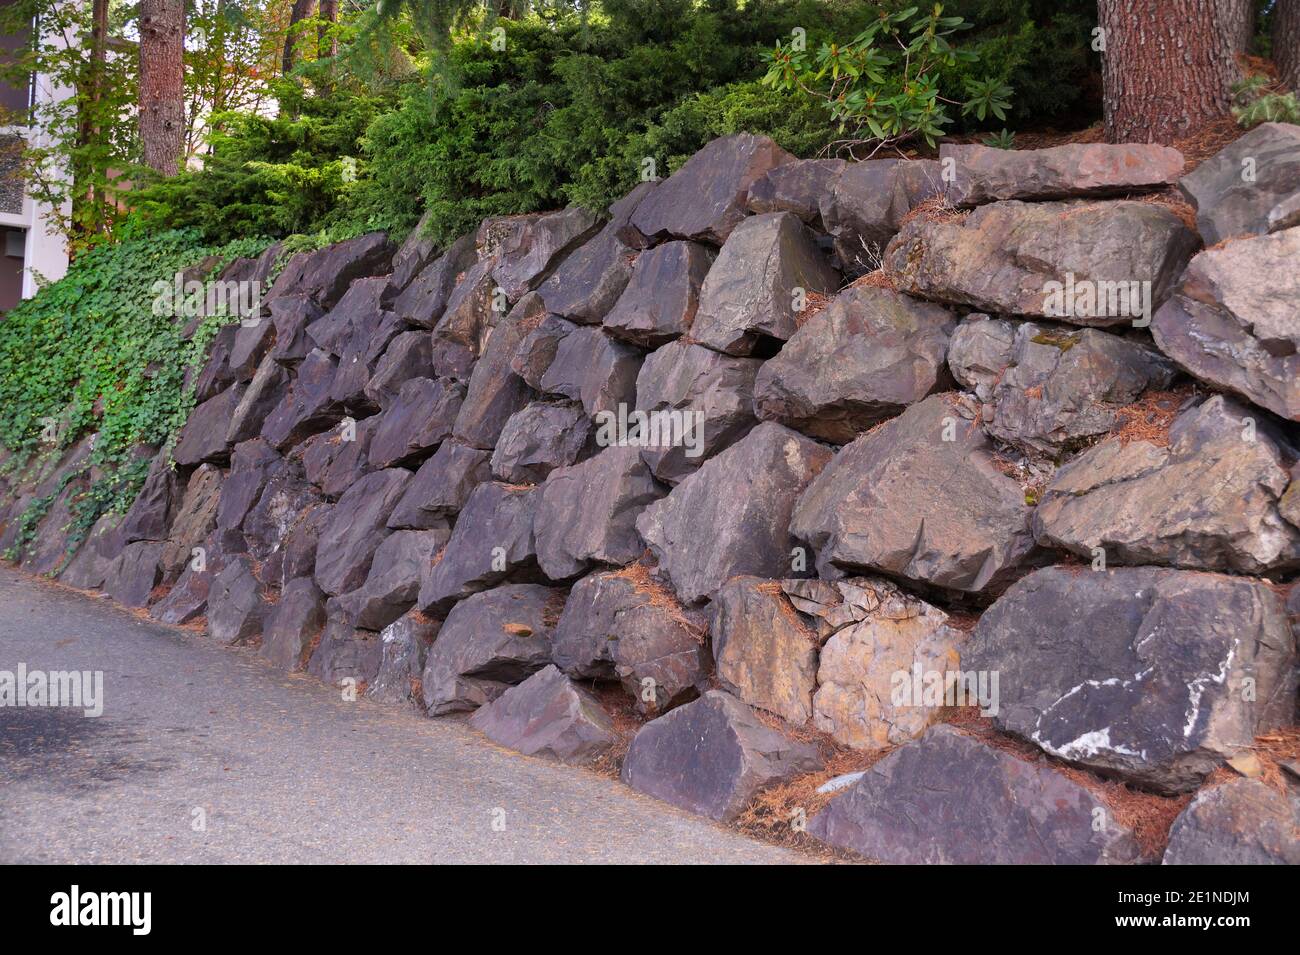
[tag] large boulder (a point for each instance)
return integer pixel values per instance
(150, 515)
(700, 400)
(442, 486)
(591, 367)
(537, 349)
(266, 390)
(408, 355)
(1157, 676)
(345, 654)
(423, 300)
(705, 198)
(459, 335)
(527, 248)
(357, 525)
(984, 174)
(291, 314)
(415, 252)
(764, 653)
(588, 282)
(1241, 822)
(134, 574)
(622, 625)
(405, 646)
(1208, 500)
(732, 516)
(796, 187)
(195, 519)
(1086, 263)
(711, 756)
(203, 438)
(325, 274)
(294, 625)
(492, 539)
(588, 512)
(393, 583)
(763, 278)
(865, 205)
(864, 358)
(948, 798)
(286, 496)
(237, 604)
(1048, 389)
(251, 465)
(419, 419)
(921, 498)
(334, 460)
(873, 675)
(495, 392)
(549, 716)
(540, 438)
(490, 641)
(1232, 320)
(662, 295)
(307, 407)
(1231, 203)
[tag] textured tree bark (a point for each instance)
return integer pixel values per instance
(1286, 42)
(327, 43)
(162, 84)
(301, 11)
(1168, 64)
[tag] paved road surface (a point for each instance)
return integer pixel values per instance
(283, 769)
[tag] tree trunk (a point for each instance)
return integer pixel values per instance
(162, 83)
(301, 11)
(1168, 64)
(1286, 42)
(88, 201)
(327, 43)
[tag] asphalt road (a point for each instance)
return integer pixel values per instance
(205, 754)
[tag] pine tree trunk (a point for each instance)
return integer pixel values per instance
(301, 11)
(1168, 64)
(327, 43)
(162, 84)
(1286, 42)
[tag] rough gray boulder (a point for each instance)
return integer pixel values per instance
(711, 756)
(286, 496)
(492, 539)
(1209, 500)
(357, 525)
(1231, 321)
(418, 420)
(251, 465)
(393, 583)
(1240, 822)
(442, 486)
(134, 574)
(266, 390)
(537, 349)
(732, 516)
(865, 357)
(588, 282)
(540, 438)
(334, 460)
(408, 355)
(622, 625)
(1048, 389)
(591, 367)
(291, 314)
(203, 438)
(345, 653)
(705, 198)
(697, 402)
(495, 392)
(490, 641)
(195, 520)
(1230, 204)
(307, 407)
(326, 273)
(921, 497)
(866, 203)
(1156, 676)
(588, 512)
(950, 799)
(423, 300)
(237, 604)
(1086, 263)
(548, 716)
(764, 653)
(294, 625)
(795, 187)
(984, 174)
(763, 278)
(150, 514)
(662, 295)
(527, 248)
(405, 645)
